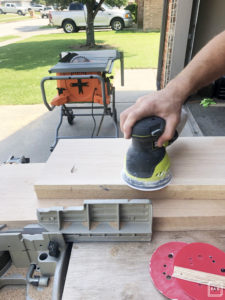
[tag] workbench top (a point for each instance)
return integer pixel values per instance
(100, 271)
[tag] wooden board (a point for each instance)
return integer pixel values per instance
(91, 168)
(19, 203)
(99, 271)
(17, 197)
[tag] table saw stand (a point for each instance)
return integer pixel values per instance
(82, 79)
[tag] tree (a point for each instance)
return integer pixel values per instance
(117, 3)
(92, 9)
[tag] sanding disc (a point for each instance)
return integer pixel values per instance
(161, 269)
(201, 257)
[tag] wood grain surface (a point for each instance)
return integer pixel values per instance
(99, 271)
(91, 168)
(19, 204)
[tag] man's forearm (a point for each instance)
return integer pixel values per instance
(205, 67)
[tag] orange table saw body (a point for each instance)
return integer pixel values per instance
(81, 90)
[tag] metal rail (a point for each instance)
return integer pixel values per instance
(64, 77)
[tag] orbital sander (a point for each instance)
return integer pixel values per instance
(146, 166)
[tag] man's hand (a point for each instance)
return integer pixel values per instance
(162, 104)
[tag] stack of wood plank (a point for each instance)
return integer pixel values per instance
(91, 169)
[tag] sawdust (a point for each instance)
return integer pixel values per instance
(94, 225)
(21, 292)
(67, 225)
(114, 251)
(40, 293)
(113, 225)
(13, 293)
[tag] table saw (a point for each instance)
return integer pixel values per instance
(84, 86)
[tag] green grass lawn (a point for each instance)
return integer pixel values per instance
(8, 37)
(23, 64)
(13, 18)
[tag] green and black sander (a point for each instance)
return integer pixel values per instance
(146, 166)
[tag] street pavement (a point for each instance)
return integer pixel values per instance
(25, 29)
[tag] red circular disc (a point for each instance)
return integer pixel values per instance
(201, 257)
(161, 270)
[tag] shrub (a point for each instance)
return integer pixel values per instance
(133, 9)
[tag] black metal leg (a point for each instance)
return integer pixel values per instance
(57, 129)
(116, 128)
(114, 112)
(114, 104)
(100, 125)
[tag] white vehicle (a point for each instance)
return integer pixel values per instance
(13, 8)
(76, 18)
(37, 7)
(45, 13)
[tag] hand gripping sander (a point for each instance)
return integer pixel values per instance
(146, 166)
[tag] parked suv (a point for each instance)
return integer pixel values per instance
(37, 7)
(45, 13)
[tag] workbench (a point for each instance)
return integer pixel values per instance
(191, 209)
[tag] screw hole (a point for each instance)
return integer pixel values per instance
(222, 270)
(168, 277)
(170, 255)
(213, 261)
(164, 266)
(164, 273)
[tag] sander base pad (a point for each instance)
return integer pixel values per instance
(147, 185)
